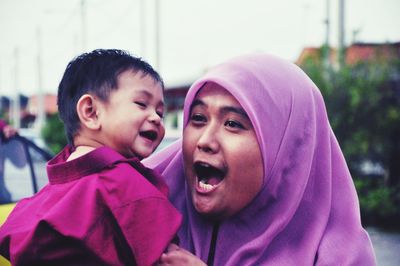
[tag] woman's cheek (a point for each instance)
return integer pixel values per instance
(188, 148)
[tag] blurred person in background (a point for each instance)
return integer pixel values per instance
(6, 132)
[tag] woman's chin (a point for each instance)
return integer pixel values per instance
(207, 209)
(203, 207)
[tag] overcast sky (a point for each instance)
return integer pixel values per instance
(194, 34)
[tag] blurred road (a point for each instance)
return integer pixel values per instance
(386, 245)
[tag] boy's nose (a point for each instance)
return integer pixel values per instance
(155, 118)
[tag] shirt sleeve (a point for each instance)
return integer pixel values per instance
(148, 225)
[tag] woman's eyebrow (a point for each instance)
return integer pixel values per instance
(223, 109)
(196, 103)
(236, 110)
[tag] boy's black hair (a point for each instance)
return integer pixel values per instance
(95, 73)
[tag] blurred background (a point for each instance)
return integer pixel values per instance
(351, 49)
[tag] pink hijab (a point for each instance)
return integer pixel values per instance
(307, 211)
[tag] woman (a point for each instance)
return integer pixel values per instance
(259, 176)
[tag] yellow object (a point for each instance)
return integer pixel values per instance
(4, 262)
(5, 210)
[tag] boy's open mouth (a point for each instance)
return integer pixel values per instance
(209, 176)
(149, 134)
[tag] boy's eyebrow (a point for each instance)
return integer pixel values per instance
(148, 94)
(224, 109)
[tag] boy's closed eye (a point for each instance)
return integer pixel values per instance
(160, 114)
(141, 103)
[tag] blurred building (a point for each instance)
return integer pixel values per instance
(355, 53)
(316, 56)
(174, 99)
(374, 52)
(49, 101)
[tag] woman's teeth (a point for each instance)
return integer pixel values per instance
(206, 187)
(209, 177)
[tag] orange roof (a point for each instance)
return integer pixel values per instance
(309, 53)
(50, 104)
(355, 53)
(372, 52)
(314, 54)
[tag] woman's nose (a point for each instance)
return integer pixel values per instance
(208, 140)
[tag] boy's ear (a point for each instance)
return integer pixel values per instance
(87, 112)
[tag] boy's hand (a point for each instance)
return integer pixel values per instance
(179, 256)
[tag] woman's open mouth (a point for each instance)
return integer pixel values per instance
(208, 176)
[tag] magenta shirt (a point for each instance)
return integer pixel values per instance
(99, 209)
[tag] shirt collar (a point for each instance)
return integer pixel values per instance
(59, 170)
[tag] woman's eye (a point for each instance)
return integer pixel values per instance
(234, 124)
(141, 104)
(198, 118)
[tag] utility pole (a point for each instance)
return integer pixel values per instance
(328, 32)
(16, 104)
(83, 25)
(341, 43)
(142, 23)
(1, 88)
(355, 34)
(1, 82)
(40, 112)
(157, 35)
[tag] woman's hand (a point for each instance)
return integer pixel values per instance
(179, 256)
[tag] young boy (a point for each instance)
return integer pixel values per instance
(101, 206)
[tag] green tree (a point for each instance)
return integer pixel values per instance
(54, 134)
(363, 103)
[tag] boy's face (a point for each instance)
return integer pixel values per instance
(131, 119)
